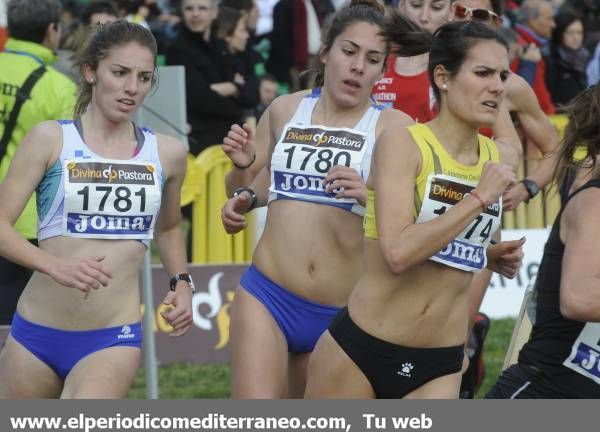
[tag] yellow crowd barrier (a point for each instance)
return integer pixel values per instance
(541, 210)
(204, 187)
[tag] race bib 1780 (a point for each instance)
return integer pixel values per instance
(304, 155)
(110, 199)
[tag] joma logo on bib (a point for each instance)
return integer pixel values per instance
(325, 138)
(290, 182)
(463, 253)
(100, 224)
(101, 172)
(586, 360)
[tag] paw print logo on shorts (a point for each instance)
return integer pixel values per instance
(406, 369)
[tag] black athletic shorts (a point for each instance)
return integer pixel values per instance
(393, 370)
(521, 381)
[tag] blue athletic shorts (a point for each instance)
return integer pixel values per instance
(62, 349)
(301, 321)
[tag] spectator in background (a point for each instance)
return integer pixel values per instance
(589, 10)
(566, 65)
(3, 33)
(212, 87)
(71, 10)
(133, 11)
(267, 90)
(72, 38)
(264, 24)
(100, 11)
(35, 34)
(535, 29)
(161, 20)
(231, 28)
(248, 8)
(295, 40)
(250, 11)
(593, 67)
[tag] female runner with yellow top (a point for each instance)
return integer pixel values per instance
(434, 203)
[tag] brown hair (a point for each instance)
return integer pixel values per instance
(227, 21)
(369, 11)
(100, 42)
(582, 131)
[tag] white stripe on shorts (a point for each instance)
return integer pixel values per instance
(520, 389)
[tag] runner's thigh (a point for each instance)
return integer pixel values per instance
(259, 350)
(24, 376)
(104, 374)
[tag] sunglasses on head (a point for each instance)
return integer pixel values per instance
(476, 14)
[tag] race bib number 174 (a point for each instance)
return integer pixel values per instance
(110, 199)
(467, 250)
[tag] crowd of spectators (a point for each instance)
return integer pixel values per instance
(228, 46)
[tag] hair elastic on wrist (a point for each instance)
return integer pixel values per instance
(245, 166)
(478, 198)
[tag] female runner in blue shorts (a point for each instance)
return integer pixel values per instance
(105, 187)
(319, 150)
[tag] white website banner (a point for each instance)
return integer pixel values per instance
(504, 296)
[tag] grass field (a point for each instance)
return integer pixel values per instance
(184, 381)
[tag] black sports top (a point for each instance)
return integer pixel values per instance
(566, 352)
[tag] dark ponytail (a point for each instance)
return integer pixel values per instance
(406, 38)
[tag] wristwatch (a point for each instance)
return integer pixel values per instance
(252, 195)
(182, 277)
(532, 188)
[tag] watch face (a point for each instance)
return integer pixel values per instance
(532, 187)
(182, 277)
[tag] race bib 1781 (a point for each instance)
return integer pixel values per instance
(110, 199)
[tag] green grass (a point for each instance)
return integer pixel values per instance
(186, 381)
(494, 350)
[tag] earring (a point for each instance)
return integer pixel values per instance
(444, 86)
(92, 81)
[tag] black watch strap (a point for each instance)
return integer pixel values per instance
(532, 188)
(182, 277)
(252, 195)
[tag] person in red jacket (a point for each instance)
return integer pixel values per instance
(534, 29)
(405, 85)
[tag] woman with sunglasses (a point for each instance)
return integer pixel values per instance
(520, 100)
(486, 16)
(433, 207)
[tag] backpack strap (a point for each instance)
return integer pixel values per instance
(21, 97)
